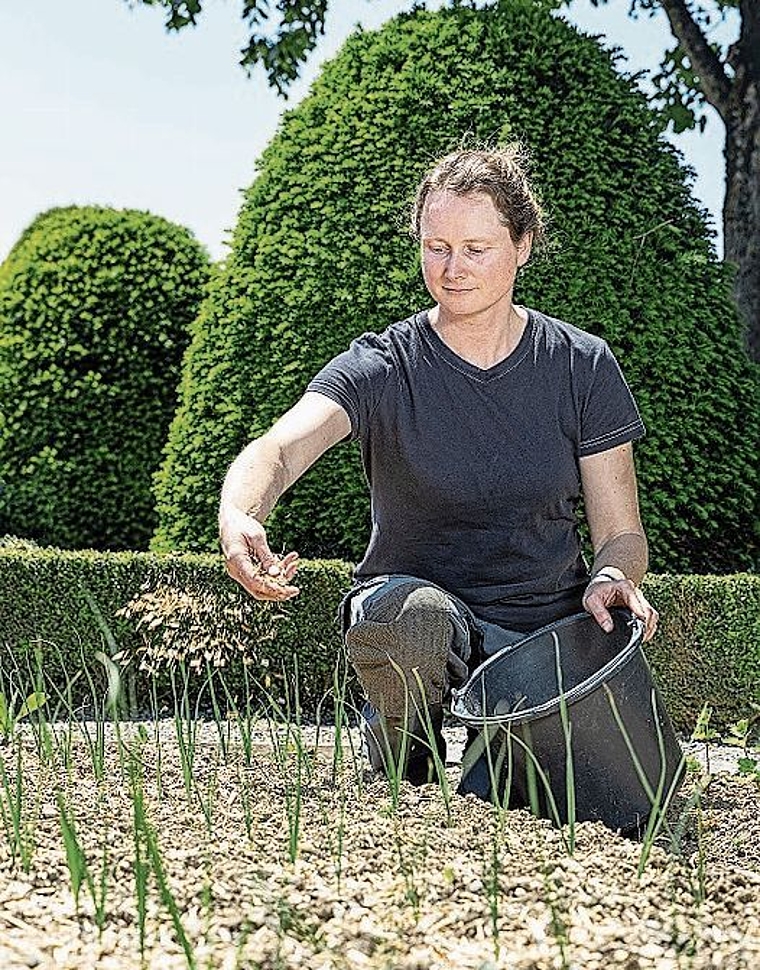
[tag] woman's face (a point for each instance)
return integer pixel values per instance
(469, 261)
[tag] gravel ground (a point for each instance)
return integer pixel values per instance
(418, 884)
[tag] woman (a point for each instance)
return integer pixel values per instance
(481, 424)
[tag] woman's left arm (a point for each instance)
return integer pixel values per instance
(617, 535)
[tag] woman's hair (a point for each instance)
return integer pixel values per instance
(499, 172)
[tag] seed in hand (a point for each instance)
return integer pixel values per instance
(272, 577)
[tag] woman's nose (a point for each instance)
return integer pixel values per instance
(455, 266)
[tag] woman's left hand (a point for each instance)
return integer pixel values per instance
(605, 592)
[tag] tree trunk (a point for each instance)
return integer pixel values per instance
(735, 95)
(741, 211)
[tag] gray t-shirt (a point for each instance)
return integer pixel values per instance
(473, 473)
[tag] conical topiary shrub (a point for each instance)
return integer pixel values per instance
(95, 313)
(320, 255)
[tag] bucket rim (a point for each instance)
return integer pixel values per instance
(572, 696)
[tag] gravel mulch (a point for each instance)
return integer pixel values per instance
(255, 871)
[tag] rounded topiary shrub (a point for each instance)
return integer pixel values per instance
(95, 313)
(320, 255)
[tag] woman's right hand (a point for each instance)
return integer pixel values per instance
(251, 562)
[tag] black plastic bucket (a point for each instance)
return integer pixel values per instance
(571, 687)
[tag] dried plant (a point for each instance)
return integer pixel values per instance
(198, 627)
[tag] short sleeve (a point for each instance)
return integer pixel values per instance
(609, 416)
(356, 379)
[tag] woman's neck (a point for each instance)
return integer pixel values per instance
(481, 341)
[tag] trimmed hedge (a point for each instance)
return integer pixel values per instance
(65, 604)
(707, 648)
(319, 256)
(96, 306)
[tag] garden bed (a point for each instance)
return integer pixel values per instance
(231, 844)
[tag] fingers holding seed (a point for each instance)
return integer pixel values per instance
(273, 581)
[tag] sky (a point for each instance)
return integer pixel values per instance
(102, 106)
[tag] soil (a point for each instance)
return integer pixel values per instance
(250, 870)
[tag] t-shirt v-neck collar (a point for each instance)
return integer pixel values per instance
(502, 367)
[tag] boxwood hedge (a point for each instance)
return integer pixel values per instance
(95, 312)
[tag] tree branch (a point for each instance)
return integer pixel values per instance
(714, 82)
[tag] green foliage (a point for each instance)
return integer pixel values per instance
(299, 27)
(707, 648)
(706, 651)
(9, 716)
(680, 87)
(319, 256)
(95, 313)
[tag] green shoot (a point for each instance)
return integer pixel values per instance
(222, 724)
(242, 720)
(659, 799)
(96, 745)
(207, 805)
(167, 897)
(530, 771)
(286, 744)
(10, 716)
(76, 861)
(19, 834)
(115, 654)
(245, 797)
(113, 700)
(141, 866)
(147, 858)
(157, 738)
(186, 728)
(423, 714)
(703, 732)
(99, 898)
(567, 730)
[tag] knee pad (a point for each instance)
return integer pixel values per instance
(405, 629)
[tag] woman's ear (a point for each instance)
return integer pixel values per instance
(524, 247)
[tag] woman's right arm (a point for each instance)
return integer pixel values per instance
(256, 480)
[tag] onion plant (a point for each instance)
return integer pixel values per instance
(96, 744)
(288, 747)
(245, 798)
(343, 751)
(186, 723)
(11, 714)
(406, 864)
(80, 873)
(500, 803)
(425, 719)
(567, 734)
(19, 833)
(659, 798)
(148, 859)
(704, 733)
(157, 738)
(141, 866)
(222, 723)
(208, 804)
(559, 918)
(242, 718)
(75, 857)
